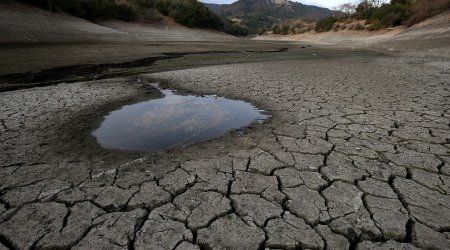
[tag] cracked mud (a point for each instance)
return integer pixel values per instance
(356, 156)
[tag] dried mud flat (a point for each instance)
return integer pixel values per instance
(356, 156)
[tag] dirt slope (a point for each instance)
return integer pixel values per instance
(23, 23)
(165, 31)
(431, 37)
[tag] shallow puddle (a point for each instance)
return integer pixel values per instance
(174, 120)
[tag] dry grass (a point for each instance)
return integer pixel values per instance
(300, 27)
(426, 9)
(349, 24)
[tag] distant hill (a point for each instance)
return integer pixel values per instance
(259, 14)
(213, 6)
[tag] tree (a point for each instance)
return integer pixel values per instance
(390, 14)
(145, 4)
(376, 3)
(50, 5)
(325, 24)
(348, 8)
(364, 10)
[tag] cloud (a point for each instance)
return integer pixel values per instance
(325, 3)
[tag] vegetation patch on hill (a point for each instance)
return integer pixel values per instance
(190, 13)
(403, 12)
(394, 13)
(194, 14)
(368, 14)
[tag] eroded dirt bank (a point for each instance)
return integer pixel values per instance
(430, 38)
(356, 155)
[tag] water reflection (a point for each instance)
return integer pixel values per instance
(174, 120)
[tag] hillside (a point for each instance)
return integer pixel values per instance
(25, 23)
(213, 6)
(430, 37)
(259, 14)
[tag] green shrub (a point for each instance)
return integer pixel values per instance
(276, 29)
(145, 4)
(163, 7)
(359, 26)
(284, 29)
(296, 26)
(190, 13)
(151, 15)
(76, 8)
(325, 24)
(124, 12)
(262, 32)
(397, 12)
(235, 29)
(44, 4)
(390, 14)
(106, 9)
(375, 25)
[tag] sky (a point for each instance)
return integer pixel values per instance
(321, 3)
(324, 3)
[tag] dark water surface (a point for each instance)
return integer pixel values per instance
(174, 120)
